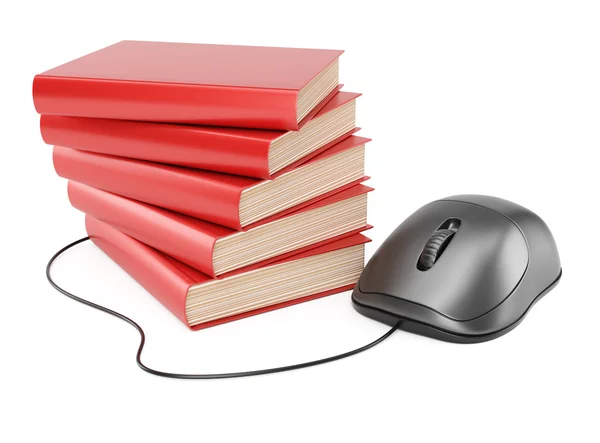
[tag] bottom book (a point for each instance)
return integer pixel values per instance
(201, 301)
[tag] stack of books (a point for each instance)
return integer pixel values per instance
(227, 180)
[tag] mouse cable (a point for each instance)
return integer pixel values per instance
(138, 357)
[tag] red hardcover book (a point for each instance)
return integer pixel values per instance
(200, 301)
(250, 152)
(220, 85)
(214, 249)
(229, 200)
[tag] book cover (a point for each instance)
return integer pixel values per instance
(220, 85)
(216, 197)
(214, 249)
(170, 280)
(230, 150)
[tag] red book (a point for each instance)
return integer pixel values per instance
(214, 249)
(229, 200)
(251, 152)
(221, 85)
(200, 301)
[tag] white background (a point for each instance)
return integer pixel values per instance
(499, 98)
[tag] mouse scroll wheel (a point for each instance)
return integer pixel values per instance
(434, 248)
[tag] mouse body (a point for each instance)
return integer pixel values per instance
(462, 269)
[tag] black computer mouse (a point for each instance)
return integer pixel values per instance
(463, 269)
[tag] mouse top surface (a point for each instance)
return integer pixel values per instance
(455, 262)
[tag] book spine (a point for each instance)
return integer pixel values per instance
(174, 234)
(232, 152)
(151, 269)
(166, 102)
(169, 187)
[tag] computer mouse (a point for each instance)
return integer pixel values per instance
(463, 269)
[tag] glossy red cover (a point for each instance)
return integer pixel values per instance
(169, 280)
(220, 85)
(187, 239)
(230, 150)
(207, 195)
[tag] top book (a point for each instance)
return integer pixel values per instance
(220, 85)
